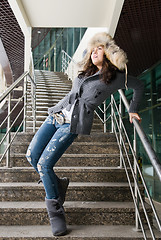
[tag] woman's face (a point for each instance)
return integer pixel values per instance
(97, 56)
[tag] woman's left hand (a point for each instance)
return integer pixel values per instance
(134, 115)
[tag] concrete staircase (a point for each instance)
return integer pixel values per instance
(51, 88)
(98, 203)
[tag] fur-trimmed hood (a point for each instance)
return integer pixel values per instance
(115, 54)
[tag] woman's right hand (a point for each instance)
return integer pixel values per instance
(134, 115)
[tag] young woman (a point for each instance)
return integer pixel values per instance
(103, 73)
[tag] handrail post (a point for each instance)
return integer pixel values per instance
(112, 115)
(33, 96)
(9, 134)
(68, 68)
(120, 125)
(62, 58)
(25, 103)
(137, 225)
(49, 64)
(104, 116)
(72, 71)
(34, 117)
(44, 63)
(54, 59)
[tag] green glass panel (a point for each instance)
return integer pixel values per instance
(150, 108)
(55, 41)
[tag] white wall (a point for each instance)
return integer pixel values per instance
(2, 85)
(2, 80)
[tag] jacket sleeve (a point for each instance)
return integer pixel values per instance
(138, 89)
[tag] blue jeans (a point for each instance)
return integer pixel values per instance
(45, 149)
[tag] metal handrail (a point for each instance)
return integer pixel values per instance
(149, 150)
(66, 68)
(7, 95)
(119, 129)
(14, 85)
(138, 171)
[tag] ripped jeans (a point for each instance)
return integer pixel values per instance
(45, 149)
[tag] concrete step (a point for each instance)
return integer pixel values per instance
(93, 130)
(41, 108)
(56, 87)
(39, 118)
(75, 232)
(50, 73)
(52, 86)
(97, 126)
(75, 174)
(50, 89)
(46, 96)
(55, 90)
(48, 77)
(39, 121)
(38, 113)
(72, 160)
(77, 213)
(76, 147)
(51, 82)
(77, 191)
(50, 103)
(93, 137)
(56, 97)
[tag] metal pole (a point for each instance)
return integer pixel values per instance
(62, 61)
(9, 134)
(120, 125)
(135, 187)
(44, 63)
(68, 68)
(104, 116)
(112, 115)
(54, 59)
(25, 103)
(33, 95)
(49, 64)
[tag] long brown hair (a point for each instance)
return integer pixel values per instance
(108, 70)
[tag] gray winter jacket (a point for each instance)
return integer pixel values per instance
(88, 93)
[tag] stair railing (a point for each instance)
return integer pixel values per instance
(127, 151)
(126, 147)
(24, 80)
(68, 65)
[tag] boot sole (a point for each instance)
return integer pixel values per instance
(60, 234)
